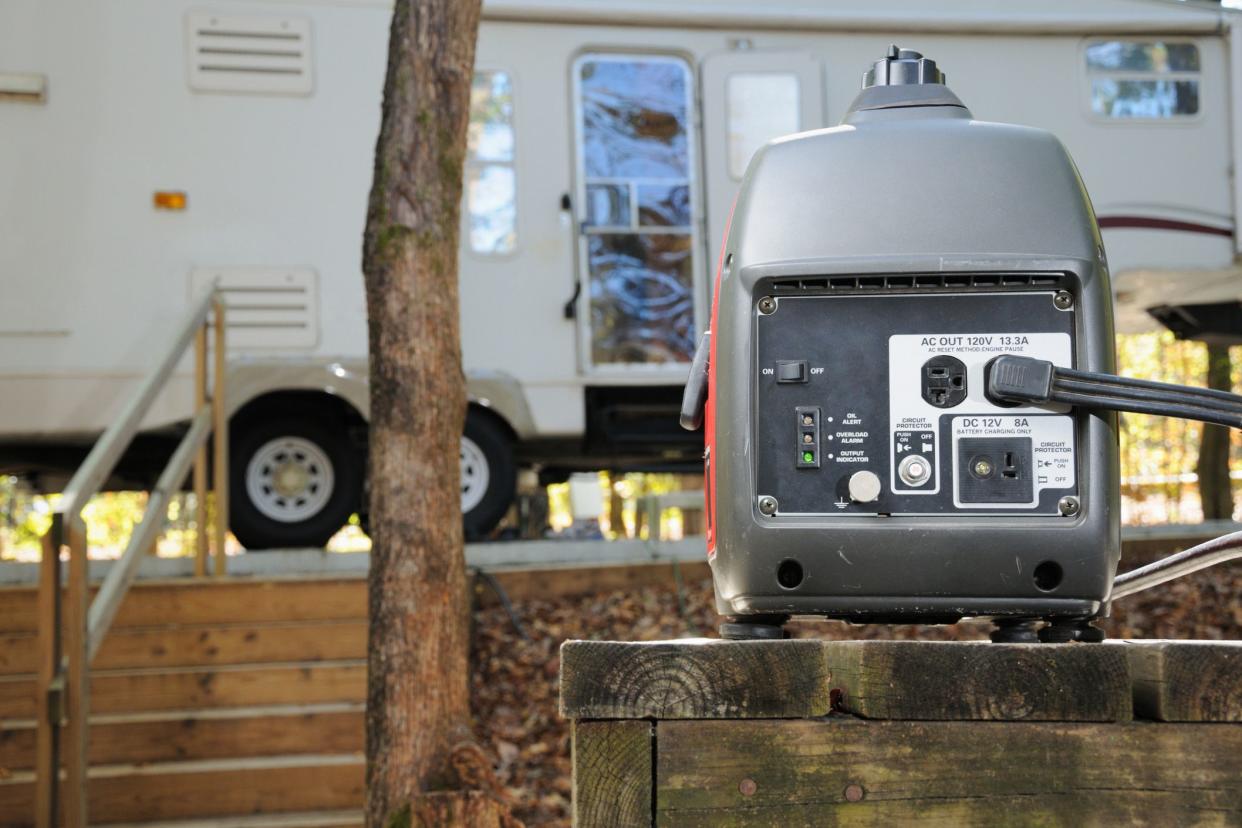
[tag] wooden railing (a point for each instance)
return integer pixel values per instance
(71, 626)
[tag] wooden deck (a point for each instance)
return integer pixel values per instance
(238, 701)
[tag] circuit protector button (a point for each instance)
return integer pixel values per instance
(791, 370)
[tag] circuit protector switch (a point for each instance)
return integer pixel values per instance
(791, 370)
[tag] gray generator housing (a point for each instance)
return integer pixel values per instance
(856, 255)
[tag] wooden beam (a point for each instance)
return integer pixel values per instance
(846, 771)
(697, 679)
(46, 747)
(199, 646)
(230, 601)
(126, 691)
(979, 680)
(188, 790)
(211, 734)
(200, 455)
(75, 738)
(612, 764)
(220, 438)
(1186, 681)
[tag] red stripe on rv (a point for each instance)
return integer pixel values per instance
(1152, 223)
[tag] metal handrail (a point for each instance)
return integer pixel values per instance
(102, 460)
(72, 627)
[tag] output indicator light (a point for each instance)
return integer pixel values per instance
(808, 457)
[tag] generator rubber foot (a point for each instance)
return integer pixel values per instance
(754, 628)
(1064, 630)
(1015, 631)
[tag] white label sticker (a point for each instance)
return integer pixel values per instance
(909, 411)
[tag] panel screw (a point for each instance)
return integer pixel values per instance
(1064, 300)
(747, 787)
(1068, 506)
(767, 505)
(767, 304)
(854, 793)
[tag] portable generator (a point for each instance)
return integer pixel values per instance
(907, 387)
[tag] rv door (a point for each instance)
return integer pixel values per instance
(749, 98)
(640, 305)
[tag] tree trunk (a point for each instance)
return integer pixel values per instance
(1212, 467)
(418, 673)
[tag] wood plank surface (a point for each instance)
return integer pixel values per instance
(699, 679)
(127, 691)
(1186, 681)
(222, 734)
(943, 680)
(211, 601)
(612, 773)
(193, 646)
(844, 771)
(202, 790)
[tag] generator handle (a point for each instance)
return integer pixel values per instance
(1213, 552)
(694, 398)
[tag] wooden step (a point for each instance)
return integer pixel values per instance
(192, 688)
(181, 735)
(315, 819)
(205, 645)
(209, 788)
(212, 601)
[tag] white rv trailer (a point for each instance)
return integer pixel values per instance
(149, 148)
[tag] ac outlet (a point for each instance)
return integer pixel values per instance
(944, 381)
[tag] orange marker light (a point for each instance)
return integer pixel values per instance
(169, 200)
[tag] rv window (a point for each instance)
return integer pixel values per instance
(491, 186)
(1143, 80)
(761, 106)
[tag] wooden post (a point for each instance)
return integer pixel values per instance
(612, 772)
(77, 646)
(200, 456)
(220, 430)
(50, 707)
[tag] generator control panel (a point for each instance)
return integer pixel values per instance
(874, 403)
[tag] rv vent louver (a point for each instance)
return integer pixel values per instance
(257, 55)
(265, 308)
(934, 281)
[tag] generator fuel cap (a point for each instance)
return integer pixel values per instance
(900, 67)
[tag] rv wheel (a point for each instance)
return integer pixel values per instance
(488, 474)
(294, 481)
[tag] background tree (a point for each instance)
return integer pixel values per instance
(1212, 467)
(418, 704)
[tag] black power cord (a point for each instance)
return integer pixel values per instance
(1012, 380)
(1015, 379)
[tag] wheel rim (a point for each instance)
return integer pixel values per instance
(289, 479)
(475, 474)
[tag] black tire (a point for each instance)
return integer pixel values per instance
(496, 449)
(258, 529)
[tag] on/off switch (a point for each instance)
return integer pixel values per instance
(791, 370)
